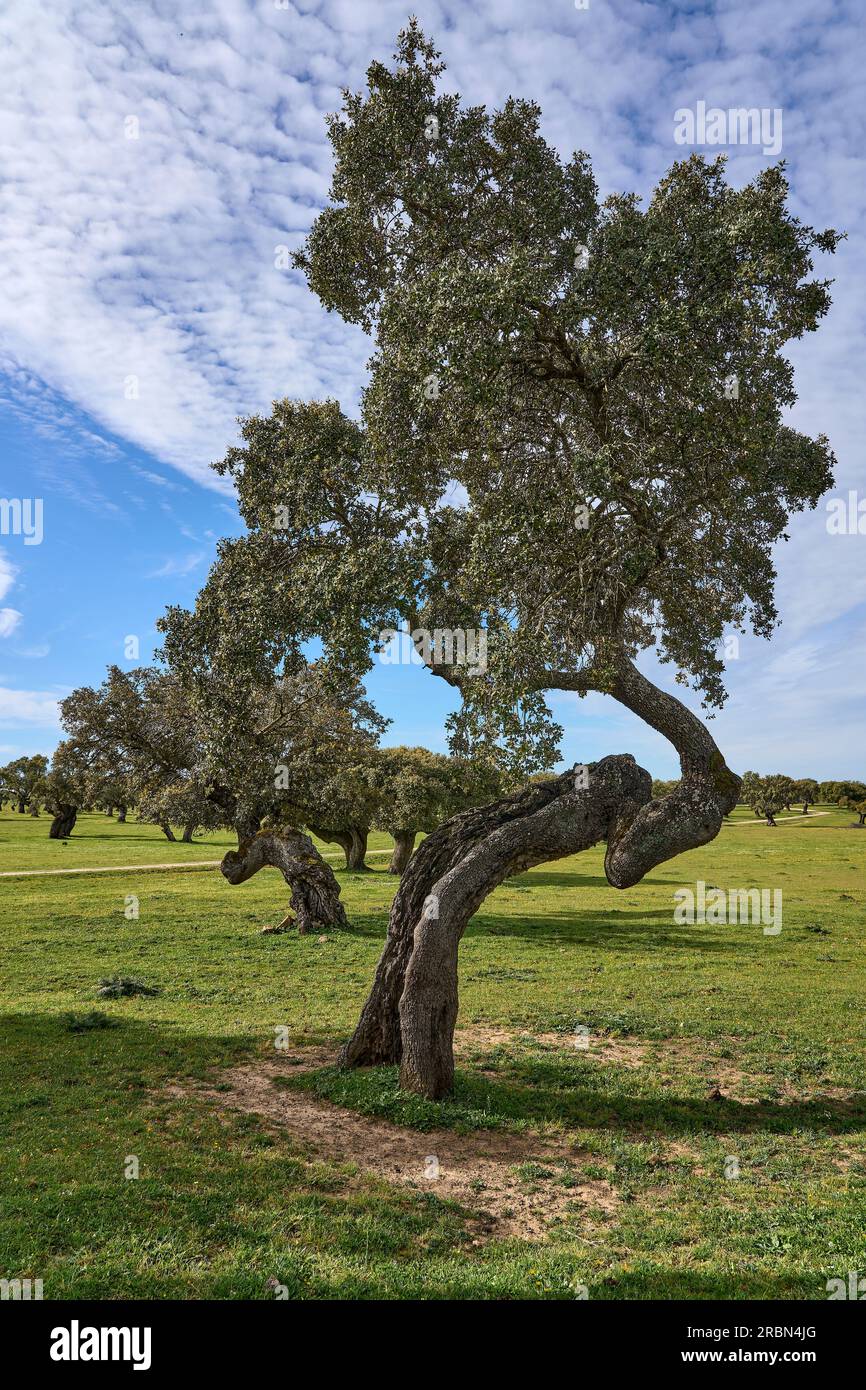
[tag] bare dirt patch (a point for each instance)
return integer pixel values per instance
(482, 1171)
(595, 1046)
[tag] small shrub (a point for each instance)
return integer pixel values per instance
(120, 987)
(84, 1023)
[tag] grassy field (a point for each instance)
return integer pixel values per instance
(709, 1142)
(99, 840)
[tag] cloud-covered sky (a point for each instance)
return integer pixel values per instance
(157, 156)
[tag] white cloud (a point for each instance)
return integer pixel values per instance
(178, 565)
(7, 574)
(29, 707)
(9, 620)
(138, 282)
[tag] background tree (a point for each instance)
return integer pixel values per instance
(853, 798)
(22, 777)
(787, 789)
(66, 788)
(806, 793)
(765, 795)
(420, 789)
(664, 788)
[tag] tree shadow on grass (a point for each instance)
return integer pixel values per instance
(566, 1093)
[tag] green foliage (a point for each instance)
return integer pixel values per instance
(559, 364)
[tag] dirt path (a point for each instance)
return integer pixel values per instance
(141, 868)
(479, 1170)
(805, 819)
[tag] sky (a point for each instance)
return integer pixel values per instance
(159, 156)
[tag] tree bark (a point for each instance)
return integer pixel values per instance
(315, 892)
(404, 845)
(22, 806)
(121, 815)
(410, 1013)
(167, 831)
(109, 811)
(353, 843)
(186, 838)
(63, 823)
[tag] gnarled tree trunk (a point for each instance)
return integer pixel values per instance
(63, 823)
(404, 845)
(410, 1013)
(186, 837)
(353, 843)
(315, 895)
(167, 831)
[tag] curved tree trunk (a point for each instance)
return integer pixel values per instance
(315, 898)
(63, 823)
(353, 843)
(167, 831)
(356, 859)
(404, 845)
(186, 837)
(410, 1013)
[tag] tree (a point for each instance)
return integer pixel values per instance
(806, 792)
(663, 788)
(135, 736)
(787, 789)
(66, 788)
(339, 804)
(766, 795)
(182, 802)
(853, 798)
(603, 386)
(23, 777)
(420, 789)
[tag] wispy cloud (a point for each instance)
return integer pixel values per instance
(142, 211)
(9, 621)
(29, 706)
(178, 565)
(8, 571)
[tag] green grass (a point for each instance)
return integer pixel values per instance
(99, 840)
(225, 1202)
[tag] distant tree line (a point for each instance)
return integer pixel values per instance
(768, 795)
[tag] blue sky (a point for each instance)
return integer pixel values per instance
(156, 156)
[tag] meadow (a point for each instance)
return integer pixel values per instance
(643, 1110)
